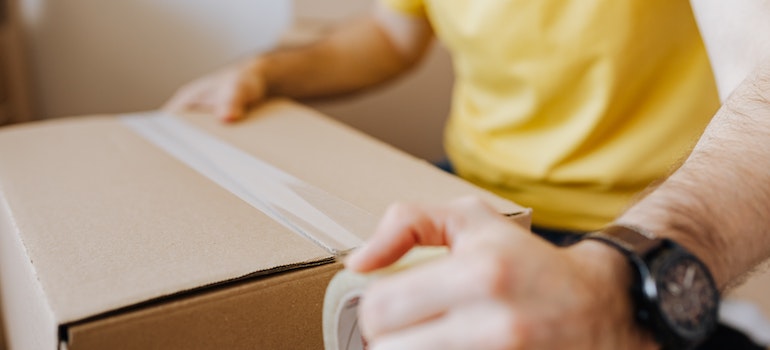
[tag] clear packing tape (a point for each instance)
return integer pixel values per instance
(324, 219)
(340, 311)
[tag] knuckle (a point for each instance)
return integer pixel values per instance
(492, 274)
(513, 334)
(507, 332)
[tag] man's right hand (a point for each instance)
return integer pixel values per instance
(500, 287)
(226, 93)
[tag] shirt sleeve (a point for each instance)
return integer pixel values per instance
(412, 7)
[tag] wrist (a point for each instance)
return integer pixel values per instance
(609, 277)
(609, 274)
(258, 70)
(679, 211)
(691, 234)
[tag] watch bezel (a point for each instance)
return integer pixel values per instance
(668, 256)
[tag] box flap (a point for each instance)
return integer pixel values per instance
(110, 220)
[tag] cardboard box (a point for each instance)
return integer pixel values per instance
(110, 240)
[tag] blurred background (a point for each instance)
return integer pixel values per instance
(79, 57)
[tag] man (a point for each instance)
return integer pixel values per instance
(528, 294)
(501, 288)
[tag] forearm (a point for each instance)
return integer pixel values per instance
(718, 202)
(355, 56)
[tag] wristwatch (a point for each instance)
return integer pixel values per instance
(674, 294)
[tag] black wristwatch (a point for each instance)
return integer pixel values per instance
(674, 294)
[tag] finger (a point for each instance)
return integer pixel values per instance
(229, 104)
(405, 225)
(194, 97)
(181, 101)
(402, 227)
(484, 325)
(428, 291)
(231, 114)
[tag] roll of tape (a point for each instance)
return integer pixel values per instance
(343, 295)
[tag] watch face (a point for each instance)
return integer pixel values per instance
(688, 298)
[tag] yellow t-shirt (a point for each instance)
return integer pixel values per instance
(571, 107)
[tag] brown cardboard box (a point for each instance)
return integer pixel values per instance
(110, 242)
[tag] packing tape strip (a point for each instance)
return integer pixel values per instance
(309, 211)
(343, 294)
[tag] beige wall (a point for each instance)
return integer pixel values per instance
(14, 93)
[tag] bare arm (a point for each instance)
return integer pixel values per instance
(354, 56)
(718, 202)
(360, 54)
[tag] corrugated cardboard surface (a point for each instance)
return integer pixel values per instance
(124, 222)
(22, 295)
(109, 221)
(279, 312)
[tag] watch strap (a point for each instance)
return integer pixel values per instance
(629, 240)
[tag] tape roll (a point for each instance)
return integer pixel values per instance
(343, 295)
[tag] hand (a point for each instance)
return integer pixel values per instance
(501, 287)
(226, 93)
